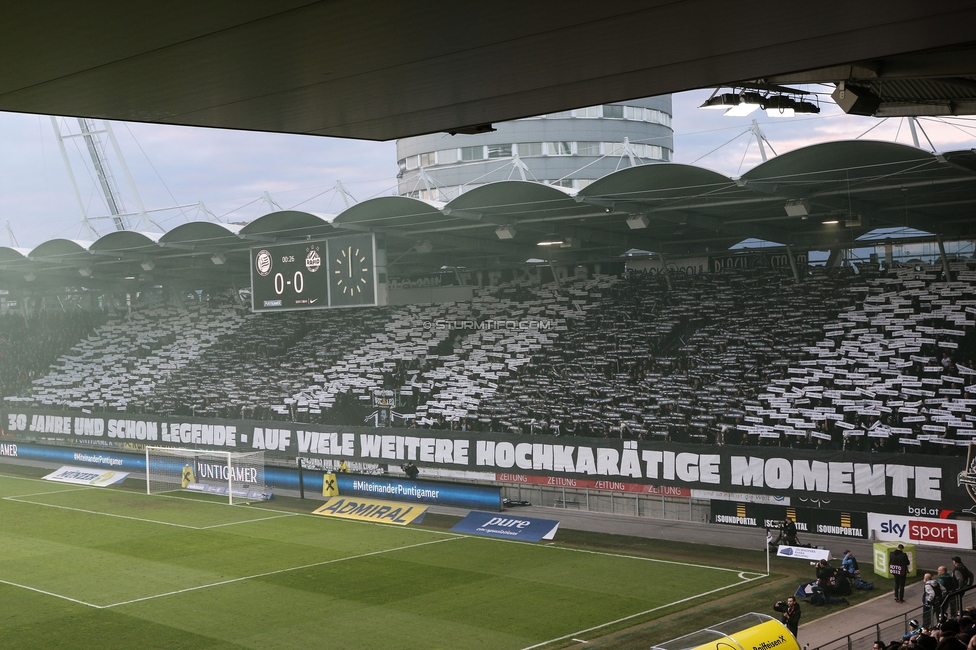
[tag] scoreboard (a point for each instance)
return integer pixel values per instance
(335, 272)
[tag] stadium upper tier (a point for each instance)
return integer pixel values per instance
(867, 360)
(818, 197)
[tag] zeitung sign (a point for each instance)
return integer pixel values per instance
(901, 482)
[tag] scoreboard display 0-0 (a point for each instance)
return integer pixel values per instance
(335, 272)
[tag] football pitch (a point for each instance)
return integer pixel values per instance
(114, 568)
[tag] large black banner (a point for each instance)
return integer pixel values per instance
(861, 481)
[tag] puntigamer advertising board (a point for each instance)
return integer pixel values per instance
(904, 483)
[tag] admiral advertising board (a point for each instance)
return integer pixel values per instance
(898, 483)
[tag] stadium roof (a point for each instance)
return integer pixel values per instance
(824, 196)
(383, 70)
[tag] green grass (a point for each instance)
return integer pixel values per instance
(113, 568)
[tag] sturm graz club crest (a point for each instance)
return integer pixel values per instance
(967, 477)
(262, 263)
(312, 259)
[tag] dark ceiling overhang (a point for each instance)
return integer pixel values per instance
(382, 70)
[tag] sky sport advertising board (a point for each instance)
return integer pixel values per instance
(899, 483)
(921, 531)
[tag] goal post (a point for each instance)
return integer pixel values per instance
(237, 475)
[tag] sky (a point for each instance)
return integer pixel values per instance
(230, 171)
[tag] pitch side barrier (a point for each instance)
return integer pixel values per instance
(905, 484)
(445, 493)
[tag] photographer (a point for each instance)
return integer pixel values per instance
(410, 470)
(789, 532)
(791, 614)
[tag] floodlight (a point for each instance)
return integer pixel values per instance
(797, 208)
(148, 265)
(551, 242)
(85, 272)
(505, 232)
(806, 108)
(423, 247)
(748, 102)
(218, 259)
(30, 277)
(637, 221)
(720, 102)
(780, 106)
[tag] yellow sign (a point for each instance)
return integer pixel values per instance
(387, 512)
(187, 476)
(329, 486)
(771, 635)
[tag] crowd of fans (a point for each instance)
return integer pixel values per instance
(859, 359)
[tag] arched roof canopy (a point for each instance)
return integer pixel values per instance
(868, 184)
(60, 248)
(203, 233)
(396, 214)
(287, 224)
(13, 254)
(126, 242)
(515, 201)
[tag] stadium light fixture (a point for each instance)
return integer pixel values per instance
(30, 277)
(638, 221)
(780, 106)
(505, 232)
(85, 272)
(806, 108)
(831, 222)
(218, 259)
(720, 102)
(148, 265)
(798, 208)
(423, 247)
(551, 242)
(748, 102)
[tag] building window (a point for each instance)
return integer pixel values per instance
(583, 182)
(657, 117)
(428, 159)
(613, 111)
(590, 111)
(655, 152)
(499, 151)
(588, 148)
(560, 114)
(559, 148)
(473, 153)
(413, 162)
(634, 113)
(446, 156)
(529, 149)
(562, 182)
(613, 148)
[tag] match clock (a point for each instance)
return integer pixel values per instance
(352, 272)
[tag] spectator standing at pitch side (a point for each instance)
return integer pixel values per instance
(898, 565)
(962, 574)
(791, 614)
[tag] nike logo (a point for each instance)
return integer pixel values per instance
(312, 301)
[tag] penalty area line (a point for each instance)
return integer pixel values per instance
(50, 593)
(247, 521)
(271, 573)
(104, 514)
(638, 614)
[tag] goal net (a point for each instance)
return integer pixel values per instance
(239, 476)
